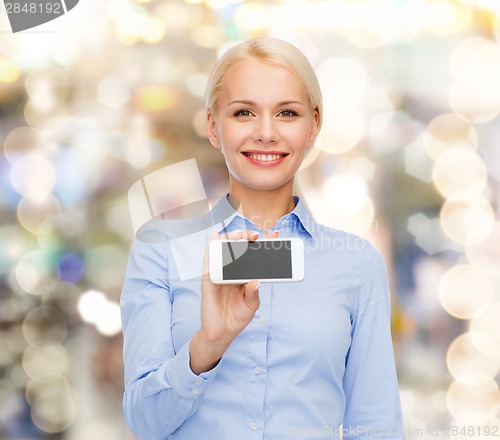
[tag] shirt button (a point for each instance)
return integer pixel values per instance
(285, 222)
(253, 425)
(198, 382)
(195, 390)
(257, 370)
(262, 319)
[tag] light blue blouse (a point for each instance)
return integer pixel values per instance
(316, 360)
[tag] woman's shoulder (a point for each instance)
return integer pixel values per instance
(163, 230)
(332, 238)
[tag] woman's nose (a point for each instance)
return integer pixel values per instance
(266, 130)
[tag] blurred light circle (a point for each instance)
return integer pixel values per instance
(342, 79)
(96, 309)
(472, 358)
(347, 191)
(196, 84)
(33, 176)
(486, 254)
(207, 36)
(48, 86)
(49, 121)
(71, 267)
(89, 303)
(486, 322)
(31, 213)
(64, 297)
(467, 222)
(363, 166)
(35, 388)
(9, 71)
(108, 322)
(8, 354)
(155, 98)
(60, 234)
(177, 18)
(310, 158)
(341, 131)
(118, 218)
(105, 266)
(388, 130)
(251, 16)
(22, 141)
(477, 58)
(375, 23)
(338, 211)
(463, 399)
(446, 16)
(45, 360)
(448, 131)
(198, 123)
(53, 410)
(35, 273)
(475, 99)
(44, 324)
(459, 174)
(15, 244)
(155, 31)
(98, 429)
(480, 423)
(464, 290)
(14, 339)
(113, 91)
(475, 95)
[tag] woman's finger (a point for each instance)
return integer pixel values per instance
(251, 295)
(239, 235)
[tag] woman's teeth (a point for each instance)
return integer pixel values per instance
(265, 157)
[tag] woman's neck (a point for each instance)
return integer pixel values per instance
(263, 208)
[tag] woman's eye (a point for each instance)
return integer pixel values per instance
(288, 113)
(242, 113)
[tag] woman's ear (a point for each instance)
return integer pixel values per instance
(314, 128)
(212, 131)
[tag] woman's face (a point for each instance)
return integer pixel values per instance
(264, 125)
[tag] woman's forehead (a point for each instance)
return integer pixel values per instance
(254, 78)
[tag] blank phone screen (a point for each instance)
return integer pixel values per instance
(257, 260)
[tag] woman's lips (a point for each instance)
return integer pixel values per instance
(268, 159)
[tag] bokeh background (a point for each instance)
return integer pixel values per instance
(409, 157)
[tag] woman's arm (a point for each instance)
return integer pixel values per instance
(371, 387)
(161, 391)
(164, 388)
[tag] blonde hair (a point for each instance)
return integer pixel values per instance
(268, 50)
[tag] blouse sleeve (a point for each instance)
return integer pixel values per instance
(161, 391)
(373, 407)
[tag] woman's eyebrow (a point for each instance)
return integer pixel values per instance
(242, 101)
(252, 103)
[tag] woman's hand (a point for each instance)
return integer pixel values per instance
(226, 309)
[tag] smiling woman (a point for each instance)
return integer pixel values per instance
(263, 140)
(270, 361)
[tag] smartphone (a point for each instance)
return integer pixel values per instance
(267, 260)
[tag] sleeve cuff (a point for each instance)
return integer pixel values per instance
(187, 384)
